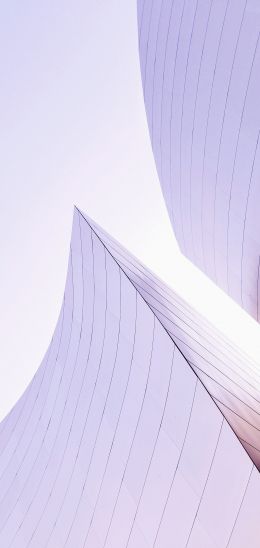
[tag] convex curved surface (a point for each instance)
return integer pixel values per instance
(116, 442)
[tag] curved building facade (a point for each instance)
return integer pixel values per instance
(230, 376)
(117, 442)
(200, 65)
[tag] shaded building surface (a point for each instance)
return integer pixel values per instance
(117, 441)
(200, 64)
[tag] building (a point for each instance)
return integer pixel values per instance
(200, 65)
(117, 441)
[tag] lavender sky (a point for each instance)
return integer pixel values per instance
(73, 131)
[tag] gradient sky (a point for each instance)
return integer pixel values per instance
(74, 131)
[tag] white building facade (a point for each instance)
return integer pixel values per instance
(200, 65)
(116, 442)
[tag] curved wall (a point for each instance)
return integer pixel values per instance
(116, 442)
(200, 65)
(230, 376)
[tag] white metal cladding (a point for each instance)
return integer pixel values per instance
(116, 443)
(230, 376)
(200, 64)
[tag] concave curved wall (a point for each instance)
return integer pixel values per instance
(200, 65)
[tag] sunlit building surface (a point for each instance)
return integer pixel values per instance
(118, 442)
(200, 65)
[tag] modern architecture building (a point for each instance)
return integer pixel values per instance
(118, 442)
(141, 427)
(200, 65)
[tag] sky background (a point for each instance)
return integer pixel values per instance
(74, 131)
